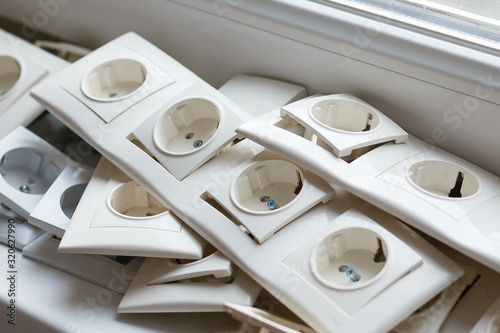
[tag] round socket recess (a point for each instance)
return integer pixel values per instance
(70, 198)
(132, 201)
(10, 72)
(350, 258)
(114, 80)
(266, 187)
(28, 170)
(345, 115)
(443, 179)
(187, 126)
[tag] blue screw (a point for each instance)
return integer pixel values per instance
(271, 204)
(351, 273)
(198, 144)
(25, 189)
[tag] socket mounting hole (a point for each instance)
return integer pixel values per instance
(345, 115)
(29, 170)
(267, 186)
(133, 201)
(70, 199)
(114, 80)
(187, 126)
(443, 179)
(349, 258)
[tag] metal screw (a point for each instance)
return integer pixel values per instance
(25, 189)
(198, 144)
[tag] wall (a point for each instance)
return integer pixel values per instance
(444, 93)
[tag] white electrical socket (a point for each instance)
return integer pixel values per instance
(430, 317)
(437, 192)
(190, 129)
(116, 216)
(195, 290)
(22, 66)
(267, 322)
(100, 270)
(54, 211)
(188, 197)
(343, 123)
(490, 321)
(281, 264)
(28, 166)
(263, 193)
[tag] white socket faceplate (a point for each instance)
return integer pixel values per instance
(22, 232)
(103, 271)
(22, 66)
(250, 187)
(114, 78)
(430, 317)
(198, 294)
(54, 211)
(116, 216)
(410, 179)
(268, 322)
(189, 130)
(344, 122)
(28, 166)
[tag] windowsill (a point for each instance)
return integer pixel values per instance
(448, 64)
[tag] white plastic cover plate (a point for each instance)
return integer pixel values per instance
(268, 322)
(106, 272)
(344, 122)
(490, 321)
(28, 166)
(116, 216)
(259, 95)
(437, 192)
(54, 211)
(200, 294)
(213, 264)
(265, 192)
(15, 232)
(115, 77)
(22, 66)
(190, 129)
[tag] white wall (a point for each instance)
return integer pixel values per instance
(432, 89)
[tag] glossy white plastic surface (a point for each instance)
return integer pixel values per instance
(22, 66)
(267, 322)
(116, 216)
(22, 233)
(115, 77)
(412, 180)
(199, 293)
(490, 321)
(28, 166)
(212, 264)
(54, 211)
(430, 317)
(100, 270)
